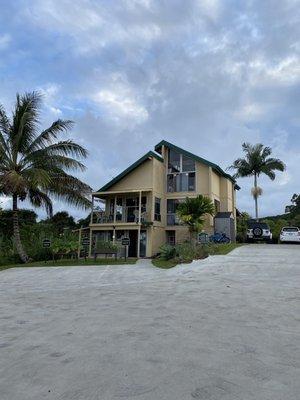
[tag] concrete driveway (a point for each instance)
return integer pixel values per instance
(227, 327)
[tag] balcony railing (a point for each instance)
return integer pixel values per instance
(128, 216)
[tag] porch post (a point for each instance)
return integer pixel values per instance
(90, 246)
(115, 209)
(139, 226)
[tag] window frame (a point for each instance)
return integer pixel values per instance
(157, 215)
(175, 180)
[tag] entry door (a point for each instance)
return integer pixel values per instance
(132, 249)
(143, 243)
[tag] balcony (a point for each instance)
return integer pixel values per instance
(122, 207)
(127, 216)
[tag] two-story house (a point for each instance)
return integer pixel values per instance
(140, 203)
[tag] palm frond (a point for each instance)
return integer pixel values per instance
(25, 121)
(39, 199)
(48, 135)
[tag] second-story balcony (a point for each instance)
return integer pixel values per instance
(113, 208)
(127, 216)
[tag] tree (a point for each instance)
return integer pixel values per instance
(193, 210)
(34, 165)
(295, 208)
(242, 226)
(255, 163)
(62, 220)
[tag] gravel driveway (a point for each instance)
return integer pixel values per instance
(226, 328)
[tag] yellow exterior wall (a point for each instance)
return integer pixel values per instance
(140, 178)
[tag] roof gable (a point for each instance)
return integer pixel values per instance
(130, 169)
(215, 167)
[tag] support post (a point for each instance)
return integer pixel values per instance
(139, 226)
(115, 209)
(90, 245)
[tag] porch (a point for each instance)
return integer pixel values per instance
(118, 208)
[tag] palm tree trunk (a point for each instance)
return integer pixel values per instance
(256, 197)
(16, 229)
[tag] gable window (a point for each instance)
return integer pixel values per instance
(181, 172)
(157, 215)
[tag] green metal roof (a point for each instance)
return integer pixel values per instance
(215, 167)
(129, 169)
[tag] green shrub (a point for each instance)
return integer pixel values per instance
(103, 245)
(167, 252)
(185, 251)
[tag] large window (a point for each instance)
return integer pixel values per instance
(157, 215)
(172, 218)
(181, 173)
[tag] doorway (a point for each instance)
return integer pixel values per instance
(132, 249)
(143, 243)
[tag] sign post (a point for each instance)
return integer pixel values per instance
(46, 245)
(125, 243)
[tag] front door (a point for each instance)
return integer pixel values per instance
(132, 249)
(143, 243)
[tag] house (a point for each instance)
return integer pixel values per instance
(140, 203)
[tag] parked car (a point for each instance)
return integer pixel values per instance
(258, 231)
(290, 234)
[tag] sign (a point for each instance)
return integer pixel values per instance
(125, 241)
(46, 243)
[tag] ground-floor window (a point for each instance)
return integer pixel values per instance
(171, 237)
(172, 218)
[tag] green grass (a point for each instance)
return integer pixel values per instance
(71, 263)
(222, 248)
(164, 264)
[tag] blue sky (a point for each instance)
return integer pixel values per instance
(206, 75)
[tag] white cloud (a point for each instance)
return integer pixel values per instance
(120, 102)
(5, 40)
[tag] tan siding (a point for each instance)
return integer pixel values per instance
(139, 178)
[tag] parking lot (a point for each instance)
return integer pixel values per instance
(227, 327)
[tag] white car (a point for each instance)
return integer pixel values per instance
(290, 234)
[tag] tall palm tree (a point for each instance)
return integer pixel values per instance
(193, 210)
(34, 165)
(255, 163)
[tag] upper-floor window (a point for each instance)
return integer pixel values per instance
(181, 172)
(157, 215)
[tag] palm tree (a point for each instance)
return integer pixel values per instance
(193, 210)
(255, 163)
(34, 165)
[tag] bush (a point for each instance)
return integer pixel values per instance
(167, 252)
(103, 245)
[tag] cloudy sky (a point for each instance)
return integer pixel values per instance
(206, 75)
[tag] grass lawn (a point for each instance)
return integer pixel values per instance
(223, 248)
(72, 263)
(164, 264)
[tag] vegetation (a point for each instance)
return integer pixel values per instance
(34, 165)
(186, 252)
(192, 212)
(255, 163)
